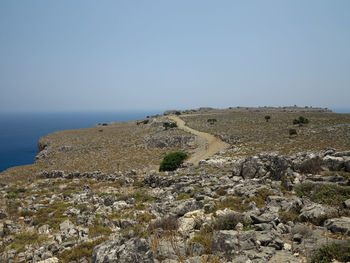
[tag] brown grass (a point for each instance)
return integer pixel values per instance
(116, 148)
(252, 134)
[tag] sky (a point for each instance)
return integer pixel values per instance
(121, 55)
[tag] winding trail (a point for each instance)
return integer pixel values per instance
(208, 148)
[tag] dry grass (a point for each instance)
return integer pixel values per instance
(252, 134)
(115, 148)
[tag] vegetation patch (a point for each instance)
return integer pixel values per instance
(169, 125)
(233, 202)
(286, 216)
(99, 230)
(51, 215)
(329, 194)
(145, 217)
(229, 221)
(23, 239)
(13, 192)
(301, 120)
(135, 231)
(328, 253)
(205, 238)
(260, 197)
(312, 166)
(82, 250)
(184, 196)
(141, 197)
(168, 223)
(172, 161)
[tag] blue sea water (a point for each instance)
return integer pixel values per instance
(20, 132)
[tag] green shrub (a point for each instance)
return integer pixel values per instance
(142, 122)
(301, 120)
(267, 118)
(292, 132)
(329, 194)
(169, 125)
(172, 161)
(211, 121)
(325, 254)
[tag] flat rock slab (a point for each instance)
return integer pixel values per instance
(339, 225)
(284, 256)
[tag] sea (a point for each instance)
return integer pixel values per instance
(20, 132)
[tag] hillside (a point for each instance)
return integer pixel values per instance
(95, 195)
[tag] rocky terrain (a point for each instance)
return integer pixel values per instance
(267, 207)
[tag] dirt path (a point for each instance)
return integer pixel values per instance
(208, 148)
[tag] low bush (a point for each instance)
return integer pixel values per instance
(312, 166)
(220, 192)
(82, 250)
(234, 203)
(142, 122)
(211, 121)
(99, 230)
(169, 125)
(145, 217)
(172, 161)
(286, 216)
(229, 221)
(141, 197)
(205, 238)
(260, 197)
(328, 253)
(292, 132)
(52, 215)
(329, 194)
(20, 241)
(301, 120)
(167, 223)
(184, 196)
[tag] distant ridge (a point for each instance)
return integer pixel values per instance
(202, 110)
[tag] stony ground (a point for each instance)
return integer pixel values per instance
(264, 208)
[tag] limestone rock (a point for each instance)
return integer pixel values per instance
(339, 225)
(121, 251)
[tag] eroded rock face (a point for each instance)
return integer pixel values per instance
(163, 140)
(121, 251)
(276, 166)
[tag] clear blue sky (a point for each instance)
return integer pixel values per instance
(150, 55)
